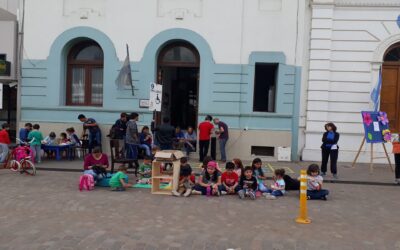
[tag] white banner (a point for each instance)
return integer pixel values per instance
(155, 97)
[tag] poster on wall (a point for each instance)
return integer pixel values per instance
(376, 127)
(155, 97)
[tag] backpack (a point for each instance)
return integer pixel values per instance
(99, 171)
(86, 181)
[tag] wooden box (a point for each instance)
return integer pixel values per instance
(161, 158)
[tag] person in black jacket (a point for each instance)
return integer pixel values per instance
(330, 148)
(165, 134)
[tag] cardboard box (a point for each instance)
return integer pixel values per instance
(161, 158)
(169, 155)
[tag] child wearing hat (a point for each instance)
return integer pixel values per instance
(209, 181)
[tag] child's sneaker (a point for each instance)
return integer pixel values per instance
(241, 194)
(175, 193)
(323, 174)
(187, 193)
(223, 192)
(258, 194)
(398, 181)
(270, 197)
(324, 198)
(195, 192)
(252, 195)
(335, 176)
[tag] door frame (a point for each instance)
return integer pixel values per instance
(178, 64)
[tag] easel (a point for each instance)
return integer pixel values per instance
(371, 163)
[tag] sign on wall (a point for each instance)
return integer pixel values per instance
(5, 66)
(376, 126)
(155, 97)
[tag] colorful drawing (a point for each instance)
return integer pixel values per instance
(367, 118)
(387, 136)
(376, 127)
(383, 118)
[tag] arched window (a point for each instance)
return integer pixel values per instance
(85, 74)
(181, 54)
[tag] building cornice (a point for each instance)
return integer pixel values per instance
(358, 3)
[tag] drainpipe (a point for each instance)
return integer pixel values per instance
(18, 68)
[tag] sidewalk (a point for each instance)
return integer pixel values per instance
(382, 174)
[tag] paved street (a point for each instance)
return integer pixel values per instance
(48, 212)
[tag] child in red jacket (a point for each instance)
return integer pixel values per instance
(4, 141)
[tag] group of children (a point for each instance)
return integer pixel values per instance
(66, 138)
(246, 182)
(31, 134)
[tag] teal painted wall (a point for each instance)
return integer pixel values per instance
(225, 90)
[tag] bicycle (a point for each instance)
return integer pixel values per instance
(18, 160)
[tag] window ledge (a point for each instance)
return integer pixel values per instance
(83, 108)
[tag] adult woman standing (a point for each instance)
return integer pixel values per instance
(330, 149)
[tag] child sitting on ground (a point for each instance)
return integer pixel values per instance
(238, 166)
(186, 179)
(209, 181)
(259, 174)
(230, 180)
(145, 171)
(119, 181)
(314, 184)
(278, 187)
(248, 184)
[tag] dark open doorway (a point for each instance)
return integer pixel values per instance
(8, 114)
(178, 72)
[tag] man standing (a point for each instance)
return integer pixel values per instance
(94, 131)
(223, 137)
(120, 127)
(23, 133)
(165, 134)
(132, 137)
(205, 130)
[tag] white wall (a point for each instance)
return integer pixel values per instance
(348, 39)
(10, 5)
(229, 26)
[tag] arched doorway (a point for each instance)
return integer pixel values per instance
(178, 72)
(390, 92)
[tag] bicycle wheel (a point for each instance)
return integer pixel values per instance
(14, 165)
(28, 167)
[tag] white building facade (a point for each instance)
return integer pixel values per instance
(244, 61)
(350, 41)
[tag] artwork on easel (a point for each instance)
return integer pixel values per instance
(376, 127)
(376, 130)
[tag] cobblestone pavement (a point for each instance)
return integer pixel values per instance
(48, 212)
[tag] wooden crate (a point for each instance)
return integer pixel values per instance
(165, 157)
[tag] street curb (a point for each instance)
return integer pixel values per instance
(370, 183)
